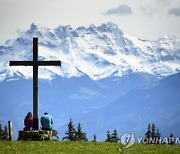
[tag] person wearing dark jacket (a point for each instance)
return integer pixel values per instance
(28, 122)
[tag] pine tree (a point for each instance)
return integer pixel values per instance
(79, 132)
(108, 136)
(80, 136)
(114, 136)
(153, 133)
(158, 136)
(171, 139)
(71, 132)
(148, 134)
(94, 138)
(5, 133)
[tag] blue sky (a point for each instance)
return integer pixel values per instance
(146, 19)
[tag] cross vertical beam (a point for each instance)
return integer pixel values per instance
(35, 84)
(35, 63)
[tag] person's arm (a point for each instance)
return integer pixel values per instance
(51, 120)
(31, 121)
(41, 121)
(25, 122)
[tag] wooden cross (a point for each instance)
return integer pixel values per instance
(35, 63)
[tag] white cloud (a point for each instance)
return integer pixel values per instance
(148, 10)
(85, 93)
(174, 11)
(18, 14)
(164, 1)
(154, 7)
(122, 9)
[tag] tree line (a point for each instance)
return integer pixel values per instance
(152, 135)
(3, 132)
(73, 134)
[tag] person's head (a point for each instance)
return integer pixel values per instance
(45, 113)
(29, 114)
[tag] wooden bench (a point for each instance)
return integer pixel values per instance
(35, 135)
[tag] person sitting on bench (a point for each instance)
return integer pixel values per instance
(28, 122)
(46, 121)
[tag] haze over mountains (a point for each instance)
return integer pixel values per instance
(158, 103)
(104, 73)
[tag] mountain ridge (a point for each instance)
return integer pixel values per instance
(155, 103)
(98, 52)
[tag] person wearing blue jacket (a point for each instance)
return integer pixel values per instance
(46, 121)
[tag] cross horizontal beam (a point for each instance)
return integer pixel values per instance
(49, 63)
(38, 63)
(21, 63)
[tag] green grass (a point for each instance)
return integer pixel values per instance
(56, 147)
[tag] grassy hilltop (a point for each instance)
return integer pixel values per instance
(56, 147)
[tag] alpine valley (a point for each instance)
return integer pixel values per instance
(108, 79)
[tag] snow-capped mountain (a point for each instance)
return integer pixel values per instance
(99, 65)
(98, 52)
